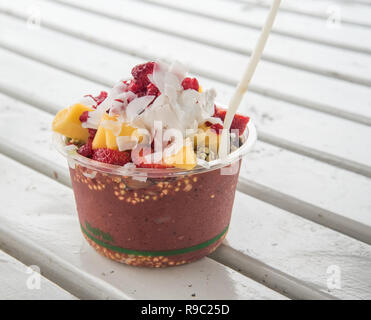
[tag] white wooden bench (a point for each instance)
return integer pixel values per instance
(301, 226)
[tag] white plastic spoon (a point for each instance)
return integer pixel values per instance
(244, 83)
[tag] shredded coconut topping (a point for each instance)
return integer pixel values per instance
(175, 107)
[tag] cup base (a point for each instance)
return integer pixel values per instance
(155, 261)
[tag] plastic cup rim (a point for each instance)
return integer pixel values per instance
(75, 158)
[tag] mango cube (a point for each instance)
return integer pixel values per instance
(100, 139)
(105, 138)
(185, 158)
(126, 130)
(67, 122)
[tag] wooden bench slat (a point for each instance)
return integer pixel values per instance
(299, 248)
(44, 227)
(21, 282)
(271, 79)
(332, 62)
(265, 260)
(267, 166)
(306, 28)
(294, 275)
(351, 12)
(276, 120)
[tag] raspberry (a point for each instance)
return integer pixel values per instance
(84, 116)
(86, 149)
(141, 93)
(239, 121)
(141, 72)
(133, 87)
(190, 83)
(110, 156)
(152, 90)
(92, 133)
(99, 99)
(137, 89)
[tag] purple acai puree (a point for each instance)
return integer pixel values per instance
(157, 215)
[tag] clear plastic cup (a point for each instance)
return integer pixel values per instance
(155, 217)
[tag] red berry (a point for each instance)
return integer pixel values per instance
(92, 133)
(102, 96)
(152, 90)
(217, 127)
(133, 87)
(141, 72)
(110, 156)
(86, 149)
(190, 83)
(141, 93)
(220, 113)
(137, 89)
(99, 99)
(84, 116)
(239, 121)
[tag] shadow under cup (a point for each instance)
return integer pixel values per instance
(167, 218)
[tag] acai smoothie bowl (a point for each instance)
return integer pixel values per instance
(150, 187)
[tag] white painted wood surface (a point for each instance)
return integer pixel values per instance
(310, 29)
(275, 119)
(263, 163)
(303, 163)
(271, 79)
(351, 12)
(44, 227)
(237, 39)
(21, 282)
(282, 267)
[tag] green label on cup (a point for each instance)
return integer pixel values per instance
(152, 253)
(98, 233)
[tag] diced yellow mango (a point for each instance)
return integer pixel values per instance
(185, 158)
(67, 122)
(105, 138)
(110, 140)
(126, 130)
(200, 89)
(100, 138)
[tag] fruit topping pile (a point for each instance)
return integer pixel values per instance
(160, 118)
